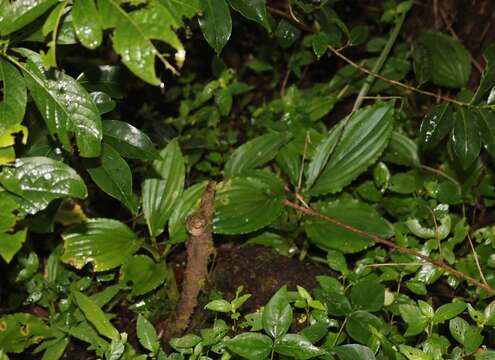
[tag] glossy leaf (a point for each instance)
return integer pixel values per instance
(129, 141)
(240, 201)
(112, 175)
(10, 244)
(466, 138)
(448, 311)
(277, 314)
(486, 121)
(254, 153)
(216, 23)
(363, 139)
(20, 331)
(450, 61)
(103, 102)
(86, 22)
(435, 126)
(414, 318)
(488, 77)
(253, 10)
(160, 194)
(14, 96)
(146, 334)
(105, 243)
(96, 316)
(358, 326)
(249, 345)
(422, 63)
(22, 12)
(350, 212)
(354, 352)
(65, 106)
(39, 180)
(142, 274)
(133, 34)
(297, 347)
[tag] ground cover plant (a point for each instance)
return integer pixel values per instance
(247, 179)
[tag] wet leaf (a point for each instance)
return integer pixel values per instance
(253, 10)
(22, 12)
(129, 141)
(105, 243)
(297, 347)
(86, 22)
(39, 180)
(435, 126)
(277, 314)
(216, 23)
(65, 106)
(488, 77)
(354, 352)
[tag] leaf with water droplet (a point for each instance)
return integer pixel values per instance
(65, 106)
(86, 22)
(39, 180)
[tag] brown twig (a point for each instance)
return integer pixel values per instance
(379, 240)
(199, 249)
(395, 82)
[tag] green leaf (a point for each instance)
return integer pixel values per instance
(219, 306)
(143, 273)
(435, 126)
(216, 23)
(336, 261)
(146, 334)
(21, 330)
(133, 34)
(488, 77)
(422, 63)
(450, 61)
(223, 100)
(322, 153)
(57, 350)
(86, 22)
(105, 243)
(277, 314)
(65, 106)
(354, 352)
(486, 122)
(414, 318)
(448, 311)
(254, 153)
(112, 175)
(103, 102)
(129, 141)
(39, 180)
(22, 12)
(240, 201)
(413, 353)
(160, 195)
(466, 139)
(185, 206)
(368, 295)
(251, 346)
(10, 244)
(489, 314)
(469, 336)
(253, 10)
(350, 212)
(363, 139)
(14, 96)
(358, 326)
(96, 316)
(185, 342)
(402, 151)
(297, 347)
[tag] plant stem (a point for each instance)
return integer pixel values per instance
(379, 240)
(380, 62)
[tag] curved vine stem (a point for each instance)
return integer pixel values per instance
(379, 240)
